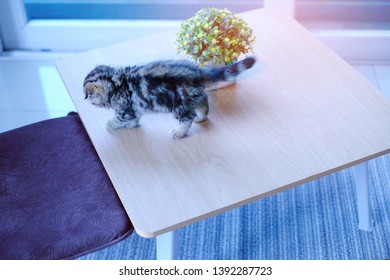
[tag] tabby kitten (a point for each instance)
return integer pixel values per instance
(175, 86)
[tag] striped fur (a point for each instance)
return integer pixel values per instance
(177, 87)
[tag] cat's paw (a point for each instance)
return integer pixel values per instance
(201, 114)
(181, 131)
(114, 124)
(131, 124)
(200, 119)
(177, 133)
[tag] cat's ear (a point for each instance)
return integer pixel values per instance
(93, 89)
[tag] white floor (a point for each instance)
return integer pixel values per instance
(31, 89)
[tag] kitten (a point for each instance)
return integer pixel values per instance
(177, 87)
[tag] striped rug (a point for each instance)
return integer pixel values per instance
(315, 221)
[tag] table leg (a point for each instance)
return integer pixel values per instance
(167, 245)
(363, 196)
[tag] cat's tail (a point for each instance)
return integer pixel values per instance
(229, 72)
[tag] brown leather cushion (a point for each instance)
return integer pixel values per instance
(56, 200)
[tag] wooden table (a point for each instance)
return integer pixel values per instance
(299, 114)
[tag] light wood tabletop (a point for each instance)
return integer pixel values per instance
(300, 113)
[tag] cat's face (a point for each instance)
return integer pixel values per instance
(97, 93)
(97, 87)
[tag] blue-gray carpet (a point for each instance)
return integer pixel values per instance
(316, 221)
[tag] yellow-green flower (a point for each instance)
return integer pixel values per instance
(207, 37)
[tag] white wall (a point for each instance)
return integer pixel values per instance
(286, 6)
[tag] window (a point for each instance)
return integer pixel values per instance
(128, 9)
(355, 29)
(77, 25)
(344, 14)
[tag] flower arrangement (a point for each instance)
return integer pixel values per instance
(215, 36)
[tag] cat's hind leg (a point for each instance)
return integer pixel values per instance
(202, 110)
